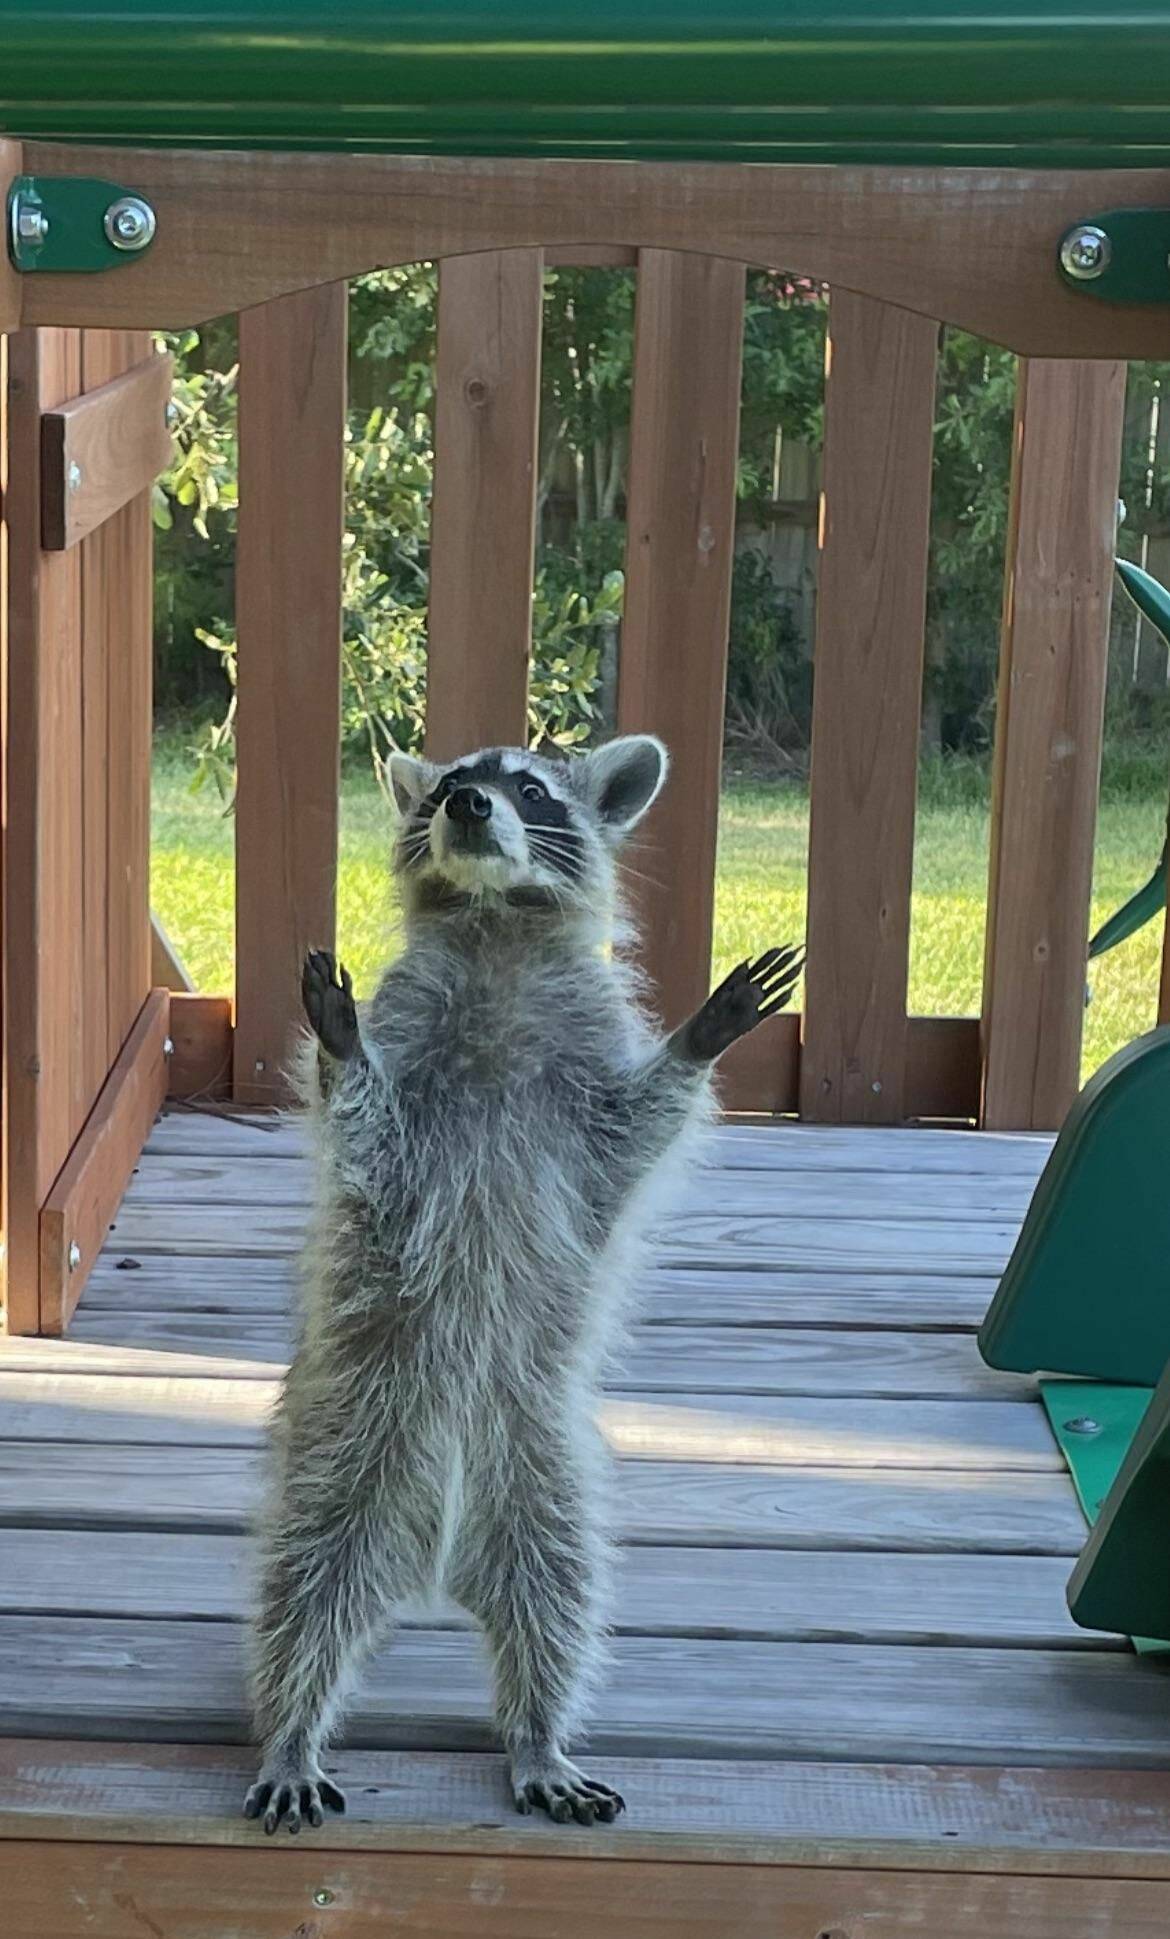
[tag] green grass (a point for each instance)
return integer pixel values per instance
(760, 892)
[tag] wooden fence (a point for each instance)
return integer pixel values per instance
(84, 1035)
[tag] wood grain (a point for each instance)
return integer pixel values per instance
(42, 873)
(288, 621)
(901, 1194)
(11, 281)
(930, 1817)
(102, 449)
(80, 1208)
(665, 1296)
(117, 649)
(1048, 736)
(483, 515)
(964, 1246)
(680, 520)
(973, 246)
(657, 1359)
(202, 1032)
(867, 698)
(762, 1430)
(694, 1697)
(190, 1894)
(732, 1146)
(692, 1504)
(762, 1595)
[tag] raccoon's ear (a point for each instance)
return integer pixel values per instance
(621, 779)
(410, 781)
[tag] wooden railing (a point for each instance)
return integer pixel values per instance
(76, 846)
(855, 1056)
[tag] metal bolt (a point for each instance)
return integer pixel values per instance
(1085, 253)
(74, 1256)
(32, 224)
(129, 223)
(75, 476)
(260, 1064)
(322, 1897)
(876, 1087)
(1083, 1424)
(168, 1046)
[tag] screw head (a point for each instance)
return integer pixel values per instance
(75, 476)
(1082, 1424)
(168, 1046)
(1085, 253)
(260, 1065)
(876, 1087)
(129, 223)
(74, 1256)
(322, 1897)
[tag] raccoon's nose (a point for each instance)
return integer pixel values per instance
(469, 804)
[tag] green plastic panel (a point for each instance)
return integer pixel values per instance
(1060, 83)
(1153, 603)
(1087, 1288)
(1122, 1579)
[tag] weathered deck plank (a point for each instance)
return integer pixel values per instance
(798, 1431)
(177, 1681)
(657, 1360)
(687, 1503)
(901, 1245)
(734, 1146)
(937, 1817)
(765, 1595)
(710, 1297)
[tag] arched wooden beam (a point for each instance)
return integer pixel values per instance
(975, 247)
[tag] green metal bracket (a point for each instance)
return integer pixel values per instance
(1096, 1426)
(1122, 257)
(74, 222)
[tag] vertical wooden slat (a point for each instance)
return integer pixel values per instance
(11, 281)
(43, 960)
(1058, 587)
(117, 594)
(483, 516)
(288, 621)
(684, 440)
(867, 700)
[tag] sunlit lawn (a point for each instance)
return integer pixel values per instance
(760, 896)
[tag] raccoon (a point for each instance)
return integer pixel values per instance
(490, 1131)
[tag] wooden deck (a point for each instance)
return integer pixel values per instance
(842, 1650)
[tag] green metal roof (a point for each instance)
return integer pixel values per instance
(1067, 84)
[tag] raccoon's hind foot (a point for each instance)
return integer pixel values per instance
(743, 1000)
(290, 1799)
(327, 994)
(547, 1781)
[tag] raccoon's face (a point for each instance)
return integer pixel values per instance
(519, 826)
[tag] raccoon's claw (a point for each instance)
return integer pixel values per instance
(292, 1802)
(327, 994)
(566, 1794)
(744, 999)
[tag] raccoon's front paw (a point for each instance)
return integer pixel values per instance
(290, 1799)
(751, 993)
(327, 993)
(549, 1782)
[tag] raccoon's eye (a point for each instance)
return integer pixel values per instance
(533, 790)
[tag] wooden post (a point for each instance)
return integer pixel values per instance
(867, 702)
(288, 618)
(684, 441)
(483, 517)
(1058, 588)
(43, 894)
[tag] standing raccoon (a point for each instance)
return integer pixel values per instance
(489, 1131)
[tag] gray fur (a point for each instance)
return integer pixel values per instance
(486, 1158)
